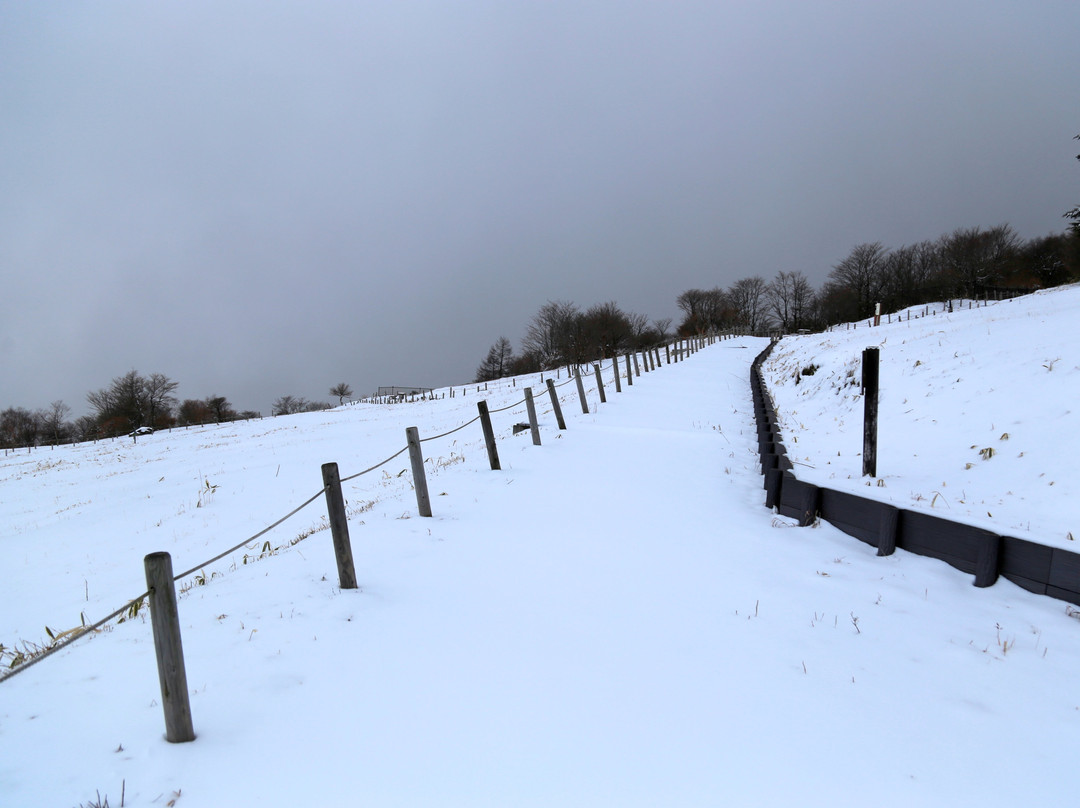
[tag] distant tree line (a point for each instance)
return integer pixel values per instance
(967, 263)
(132, 402)
(561, 334)
(290, 405)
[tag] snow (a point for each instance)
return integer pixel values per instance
(975, 413)
(612, 619)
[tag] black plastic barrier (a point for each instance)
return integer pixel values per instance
(982, 553)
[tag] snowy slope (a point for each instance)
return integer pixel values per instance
(978, 413)
(613, 619)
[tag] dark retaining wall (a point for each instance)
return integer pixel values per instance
(982, 553)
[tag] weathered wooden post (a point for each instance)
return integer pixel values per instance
(654, 363)
(581, 393)
(645, 361)
(168, 648)
(423, 503)
(667, 352)
(555, 404)
(615, 368)
(339, 525)
(599, 383)
(530, 407)
(629, 372)
(489, 435)
(870, 361)
(637, 367)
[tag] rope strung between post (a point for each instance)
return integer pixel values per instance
(510, 407)
(82, 631)
(451, 432)
(377, 465)
(258, 535)
(86, 630)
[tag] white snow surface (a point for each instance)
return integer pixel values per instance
(614, 619)
(979, 412)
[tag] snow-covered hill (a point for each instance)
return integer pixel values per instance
(612, 619)
(978, 412)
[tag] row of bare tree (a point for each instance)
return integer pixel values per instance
(967, 263)
(562, 334)
(129, 402)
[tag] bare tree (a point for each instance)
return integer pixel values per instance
(640, 332)
(1045, 258)
(54, 422)
(662, 328)
(693, 304)
(158, 390)
(290, 405)
(552, 334)
(705, 310)
(973, 258)
(525, 363)
(747, 297)
(498, 361)
(220, 409)
(790, 296)
(131, 401)
(120, 407)
(192, 411)
(19, 427)
(861, 274)
(605, 330)
(341, 391)
(85, 428)
(287, 405)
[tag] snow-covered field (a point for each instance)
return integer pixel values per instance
(613, 619)
(978, 413)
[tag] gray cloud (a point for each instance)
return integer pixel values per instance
(267, 198)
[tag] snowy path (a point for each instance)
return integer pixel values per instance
(613, 619)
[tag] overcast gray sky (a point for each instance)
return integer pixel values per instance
(266, 198)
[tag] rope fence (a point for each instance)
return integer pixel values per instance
(331, 489)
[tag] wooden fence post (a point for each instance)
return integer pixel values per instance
(339, 526)
(555, 404)
(870, 411)
(581, 392)
(599, 383)
(629, 372)
(615, 367)
(489, 434)
(530, 407)
(423, 503)
(168, 648)
(637, 367)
